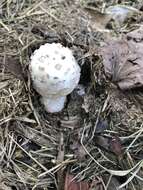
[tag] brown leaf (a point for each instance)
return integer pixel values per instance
(72, 184)
(123, 62)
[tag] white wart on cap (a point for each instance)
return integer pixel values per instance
(55, 73)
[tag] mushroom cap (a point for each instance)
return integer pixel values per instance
(54, 70)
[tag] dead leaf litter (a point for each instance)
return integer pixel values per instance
(96, 142)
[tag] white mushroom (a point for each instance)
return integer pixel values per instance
(55, 73)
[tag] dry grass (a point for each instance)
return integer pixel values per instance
(37, 148)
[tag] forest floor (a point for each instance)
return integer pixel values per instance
(96, 142)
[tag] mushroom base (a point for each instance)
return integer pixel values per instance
(54, 104)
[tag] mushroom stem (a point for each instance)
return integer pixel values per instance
(53, 104)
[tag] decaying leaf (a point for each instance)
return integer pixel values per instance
(123, 62)
(72, 184)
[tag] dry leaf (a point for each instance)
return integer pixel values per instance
(123, 62)
(72, 184)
